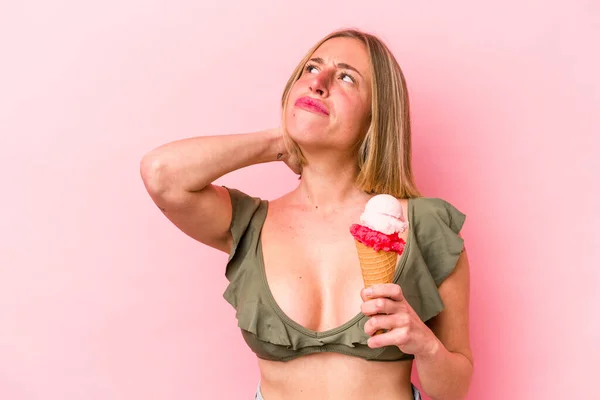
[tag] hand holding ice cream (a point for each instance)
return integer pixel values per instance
(377, 241)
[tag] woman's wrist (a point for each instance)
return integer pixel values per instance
(432, 349)
(276, 150)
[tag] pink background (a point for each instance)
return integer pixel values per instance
(102, 298)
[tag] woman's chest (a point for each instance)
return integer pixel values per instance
(312, 269)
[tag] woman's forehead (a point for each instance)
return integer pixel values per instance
(343, 50)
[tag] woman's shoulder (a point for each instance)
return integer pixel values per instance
(436, 225)
(428, 211)
(241, 195)
(432, 203)
(246, 210)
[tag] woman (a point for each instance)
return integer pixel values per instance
(294, 275)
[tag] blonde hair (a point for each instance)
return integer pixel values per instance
(384, 155)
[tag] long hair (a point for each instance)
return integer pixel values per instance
(384, 155)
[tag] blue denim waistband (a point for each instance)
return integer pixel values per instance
(416, 393)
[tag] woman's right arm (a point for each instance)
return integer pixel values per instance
(178, 177)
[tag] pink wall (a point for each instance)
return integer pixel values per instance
(102, 298)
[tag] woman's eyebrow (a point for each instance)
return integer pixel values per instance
(319, 60)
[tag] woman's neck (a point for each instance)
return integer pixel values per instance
(329, 186)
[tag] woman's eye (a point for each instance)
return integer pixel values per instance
(347, 78)
(310, 69)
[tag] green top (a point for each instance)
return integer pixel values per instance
(431, 252)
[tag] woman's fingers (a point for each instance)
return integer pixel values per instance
(292, 162)
(379, 306)
(392, 337)
(379, 322)
(387, 290)
(390, 290)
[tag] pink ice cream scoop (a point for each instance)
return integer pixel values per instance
(383, 213)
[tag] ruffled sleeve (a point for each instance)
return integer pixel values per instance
(436, 225)
(244, 208)
(437, 233)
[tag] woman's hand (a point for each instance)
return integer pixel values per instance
(282, 153)
(389, 310)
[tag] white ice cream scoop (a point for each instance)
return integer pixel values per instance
(383, 213)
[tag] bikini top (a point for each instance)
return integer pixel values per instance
(431, 253)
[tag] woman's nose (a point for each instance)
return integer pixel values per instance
(319, 84)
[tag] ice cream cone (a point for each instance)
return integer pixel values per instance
(377, 239)
(376, 266)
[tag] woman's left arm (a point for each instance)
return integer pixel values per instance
(446, 371)
(441, 347)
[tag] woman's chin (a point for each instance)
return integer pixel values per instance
(305, 129)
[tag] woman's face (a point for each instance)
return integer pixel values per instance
(329, 106)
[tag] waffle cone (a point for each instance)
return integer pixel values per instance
(376, 266)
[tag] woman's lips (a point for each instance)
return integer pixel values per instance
(312, 105)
